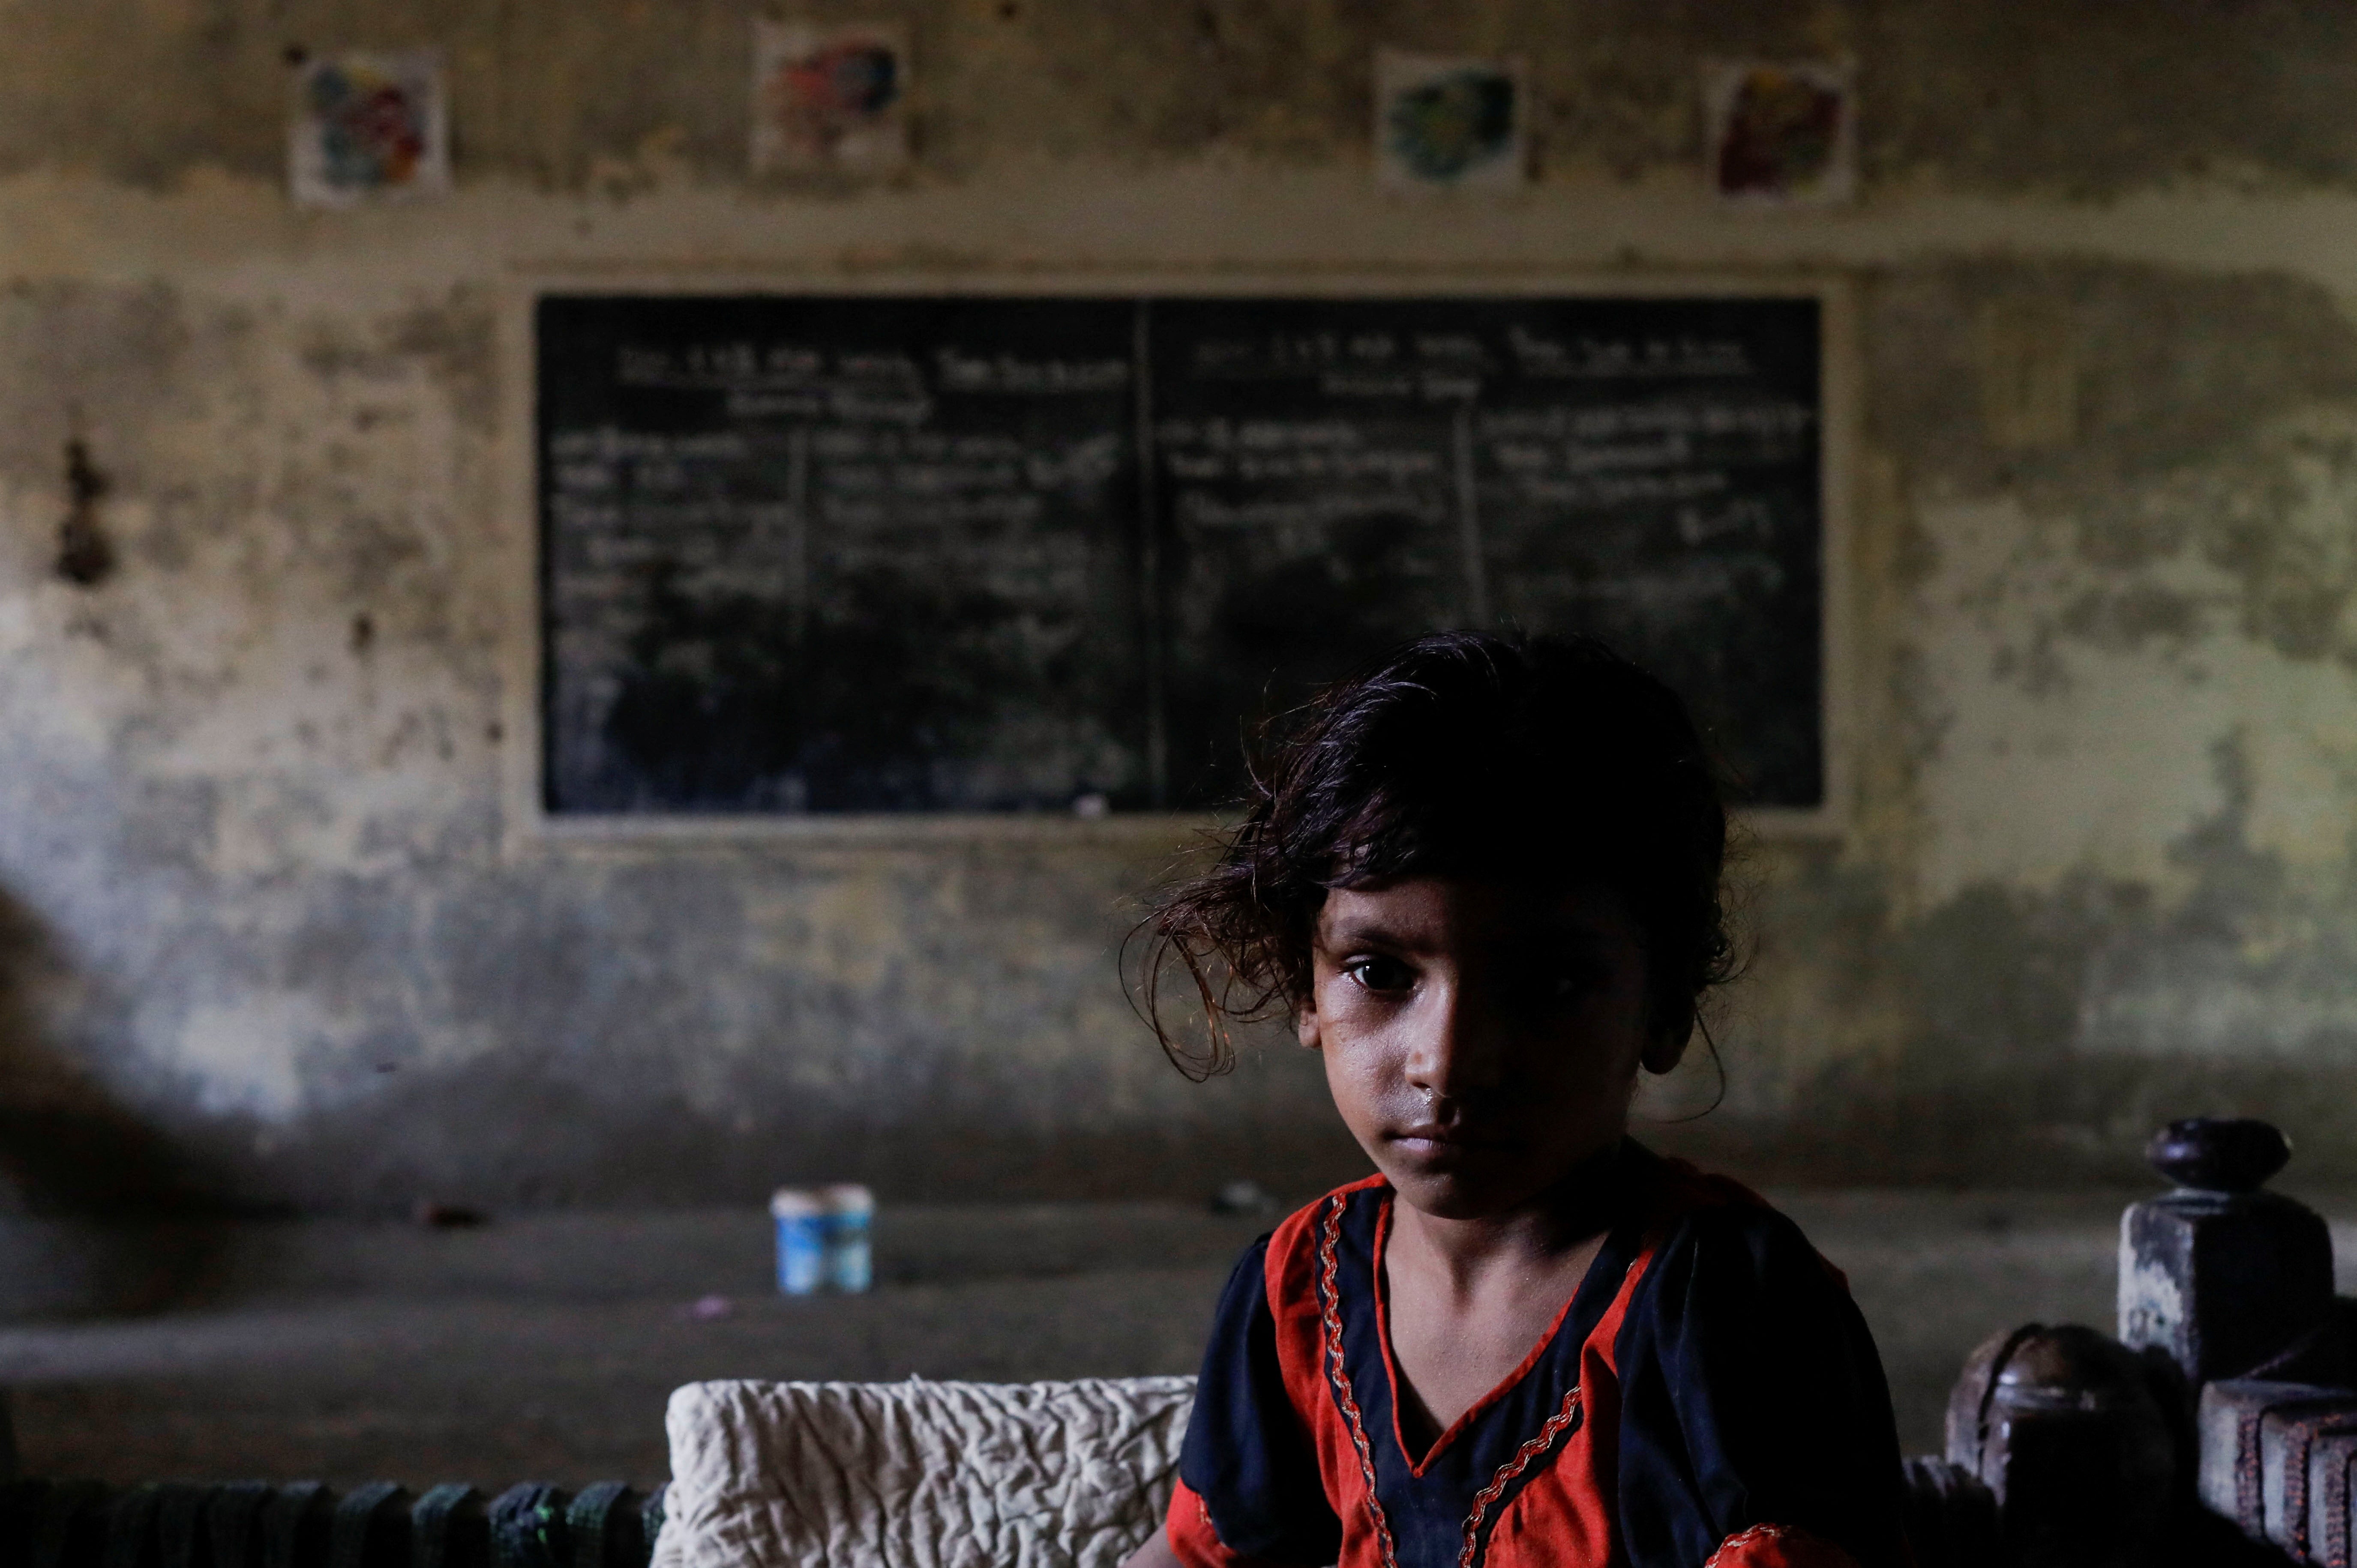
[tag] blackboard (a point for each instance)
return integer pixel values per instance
(842, 554)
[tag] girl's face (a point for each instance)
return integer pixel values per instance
(1480, 1040)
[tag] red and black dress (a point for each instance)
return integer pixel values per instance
(1709, 1395)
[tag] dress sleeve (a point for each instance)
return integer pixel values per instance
(1755, 1427)
(1249, 1490)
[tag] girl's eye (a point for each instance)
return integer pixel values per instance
(1575, 982)
(1379, 973)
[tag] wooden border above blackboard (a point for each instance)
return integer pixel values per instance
(528, 827)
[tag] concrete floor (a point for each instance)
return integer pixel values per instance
(543, 1347)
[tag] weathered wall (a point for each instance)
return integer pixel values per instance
(264, 931)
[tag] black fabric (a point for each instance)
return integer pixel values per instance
(1247, 1453)
(1750, 1393)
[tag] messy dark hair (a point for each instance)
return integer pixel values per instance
(1544, 760)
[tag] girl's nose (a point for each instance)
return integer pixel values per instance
(1456, 1047)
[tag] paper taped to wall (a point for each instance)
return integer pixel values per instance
(829, 98)
(1782, 134)
(1442, 121)
(367, 127)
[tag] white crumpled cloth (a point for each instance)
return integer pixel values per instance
(920, 1475)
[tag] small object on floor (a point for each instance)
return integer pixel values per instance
(850, 1216)
(704, 1308)
(802, 1241)
(1244, 1198)
(448, 1215)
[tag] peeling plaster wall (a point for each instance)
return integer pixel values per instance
(2101, 871)
(267, 934)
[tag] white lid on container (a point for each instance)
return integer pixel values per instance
(795, 1203)
(848, 1198)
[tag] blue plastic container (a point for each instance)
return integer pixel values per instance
(850, 1258)
(802, 1226)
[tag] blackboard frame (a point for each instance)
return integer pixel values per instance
(528, 827)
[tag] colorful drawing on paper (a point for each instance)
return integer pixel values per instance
(369, 126)
(1447, 122)
(1782, 134)
(829, 98)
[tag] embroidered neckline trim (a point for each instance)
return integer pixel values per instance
(1758, 1533)
(1337, 1377)
(1495, 1396)
(1562, 1420)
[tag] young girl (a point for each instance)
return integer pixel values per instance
(1483, 880)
